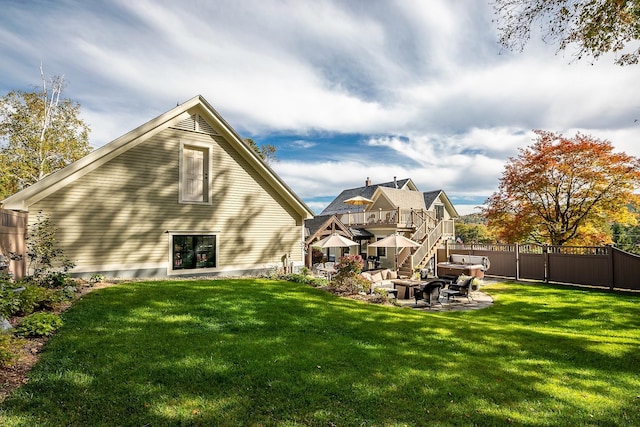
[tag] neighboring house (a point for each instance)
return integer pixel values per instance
(396, 207)
(179, 195)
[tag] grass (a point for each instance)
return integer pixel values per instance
(271, 353)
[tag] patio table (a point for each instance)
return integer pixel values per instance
(408, 284)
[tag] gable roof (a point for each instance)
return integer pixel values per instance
(196, 105)
(431, 196)
(338, 206)
(324, 225)
(403, 199)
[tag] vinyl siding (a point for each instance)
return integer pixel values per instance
(120, 213)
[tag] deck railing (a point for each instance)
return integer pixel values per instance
(397, 217)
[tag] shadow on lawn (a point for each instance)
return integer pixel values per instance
(258, 352)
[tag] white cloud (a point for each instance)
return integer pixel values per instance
(302, 144)
(428, 86)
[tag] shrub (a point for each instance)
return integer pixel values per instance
(96, 278)
(39, 325)
(302, 278)
(379, 295)
(9, 301)
(47, 264)
(7, 352)
(34, 298)
(56, 279)
(305, 271)
(350, 265)
(316, 256)
(348, 279)
(349, 284)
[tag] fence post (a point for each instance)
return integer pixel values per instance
(612, 274)
(545, 255)
(517, 247)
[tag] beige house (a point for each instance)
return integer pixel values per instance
(393, 207)
(179, 195)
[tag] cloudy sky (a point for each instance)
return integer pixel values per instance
(344, 89)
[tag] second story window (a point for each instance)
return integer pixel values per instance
(194, 174)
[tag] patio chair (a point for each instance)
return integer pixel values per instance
(316, 269)
(429, 292)
(459, 289)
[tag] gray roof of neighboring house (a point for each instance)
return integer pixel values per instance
(430, 197)
(338, 205)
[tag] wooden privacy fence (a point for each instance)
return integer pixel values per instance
(603, 266)
(13, 233)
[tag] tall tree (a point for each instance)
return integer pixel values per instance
(267, 152)
(40, 132)
(563, 190)
(594, 26)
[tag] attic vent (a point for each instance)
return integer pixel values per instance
(196, 123)
(203, 126)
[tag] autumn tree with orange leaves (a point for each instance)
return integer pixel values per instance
(564, 191)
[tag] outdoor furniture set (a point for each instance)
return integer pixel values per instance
(324, 270)
(434, 290)
(429, 290)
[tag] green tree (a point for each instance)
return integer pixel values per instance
(594, 26)
(48, 266)
(627, 236)
(473, 233)
(40, 132)
(473, 218)
(267, 152)
(564, 191)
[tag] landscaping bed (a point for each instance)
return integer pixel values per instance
(28, 349)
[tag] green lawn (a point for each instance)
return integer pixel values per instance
(271, 353)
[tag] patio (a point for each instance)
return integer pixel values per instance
(478, 301)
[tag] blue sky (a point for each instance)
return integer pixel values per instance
(344, 89)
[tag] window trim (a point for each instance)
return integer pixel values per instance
(208, 159)
(172, 234)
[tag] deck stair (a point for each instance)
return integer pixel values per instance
(429, 236)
